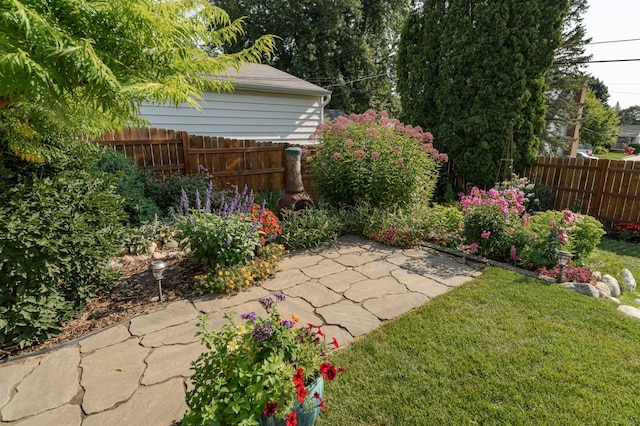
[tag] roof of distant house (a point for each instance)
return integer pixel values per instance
(629, 131)
(264, 78)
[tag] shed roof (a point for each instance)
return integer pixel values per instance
(264, 78)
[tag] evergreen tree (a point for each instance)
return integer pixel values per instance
(346, 46)
(484, 66)
(565, 79)
(600, 90)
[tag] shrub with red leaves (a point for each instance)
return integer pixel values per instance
(570, 273)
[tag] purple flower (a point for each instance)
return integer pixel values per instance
(266, 302)
(207, 202)
(229, 240)
(279, 296)
(185, 201)
(251, 316)
(198, 202)
(261, 332)
(288, 323)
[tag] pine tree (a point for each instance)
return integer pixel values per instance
(475, 67)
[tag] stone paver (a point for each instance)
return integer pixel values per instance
(300, 261)
(314, 293)
(162, 405)
(418, 283)
(351, 316)
(222, 303)
(375, 270)
(111, 375)
(58, 371)
(67, 415)
(341, 281)
(171, 361)
(374, 288)
(12, 374)
(394, 305)
(111, 336)
(285, 279)
(178, 334)
(358, 258)
(341, 335)
(302, 310)
(174, 314)
(323, 268)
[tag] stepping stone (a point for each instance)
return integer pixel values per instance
(104, 338)
(341, 281)
(171, 361)
(300, 261)
(418, 283)
(314, 293)
(351, 316)
(342, 336)
(57, 371)
(67, 415)
(111, 375)
(179, 334)
(285, 279)
(162, 404)
(394, 305)
(12, 373)
(374, 288)
(302, 309)
(174, 314)
(221, 303)
(323, 268)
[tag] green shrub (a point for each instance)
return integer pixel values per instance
(395, 225)
(371, 157)
(308, 228)
(138, 240)
(217, 241)
(167, 193)
(58, 233)
(444, 226)
(130, 184)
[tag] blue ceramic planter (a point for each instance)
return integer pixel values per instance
(304, 416)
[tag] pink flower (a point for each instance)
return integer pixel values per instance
(563, 238)
(473, 246)
(513, 255)
(348, 143)
(309, 159)
(359, 154)
(375, 155)
(336, 156)
(485, 234)
(552, 224)
(399, 161)
(305, 150)
(397, 149)
(373, 132)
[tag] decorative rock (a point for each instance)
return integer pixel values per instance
(162, 404)
(59, 371)
(582, 288)
(152, 247)
(630, 311)
(637, 300)
(604, 289)
(629, 280)
(171, 245)
(597, 275)
(612, 283)
(613, 299)
(111, 375)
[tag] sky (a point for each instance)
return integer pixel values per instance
(608, 20)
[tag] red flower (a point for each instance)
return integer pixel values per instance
(291, 419)
(298, 380)
(271, 408)
(319, 398)
(328, 371)
(335, 342)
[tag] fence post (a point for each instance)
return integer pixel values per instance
(185, 150)
(600, 183)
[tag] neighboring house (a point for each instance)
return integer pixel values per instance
(266, 105)
(628, 134)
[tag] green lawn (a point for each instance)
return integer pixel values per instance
(502, 349)
(613, 255)
(612, 155)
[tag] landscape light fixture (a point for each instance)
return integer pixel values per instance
(157, 268)
(563, 260)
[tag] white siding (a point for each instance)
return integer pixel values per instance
(243, 115)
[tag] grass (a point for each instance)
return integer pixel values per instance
(502, 349)
(612, 155)
(613, 255)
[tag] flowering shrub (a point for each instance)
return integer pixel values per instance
(269, 227)
(570, 273)
(444, 226)
(627, 231)
(258, 368)
(394, 225)
(229, 279)
(370, 156)
(552, 230)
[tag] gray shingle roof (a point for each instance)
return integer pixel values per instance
(629, 131)
(265, 78)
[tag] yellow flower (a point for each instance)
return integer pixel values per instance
(227, 273)
(220, 273)
(268, 271)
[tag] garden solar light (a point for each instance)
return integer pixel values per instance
(563, 260)
(157, 268)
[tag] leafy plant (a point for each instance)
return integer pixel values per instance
(372, 157)
(58, 233)
(261, 367)
(229, 279)
(570, 273)
(139, 240)
(395, 225)
(444, 226)
(627, 231)
(308, 228)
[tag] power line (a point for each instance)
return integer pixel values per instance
(595, 62)
(614, 41)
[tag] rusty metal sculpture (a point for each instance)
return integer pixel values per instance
(294, 197)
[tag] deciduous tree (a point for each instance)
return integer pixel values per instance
(630, 115)
(599, 123)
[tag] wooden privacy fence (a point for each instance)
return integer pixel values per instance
(608, 190)
(259, 165)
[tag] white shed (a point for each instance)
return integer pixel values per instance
(266, 105)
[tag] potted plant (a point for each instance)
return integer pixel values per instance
(260, 371)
